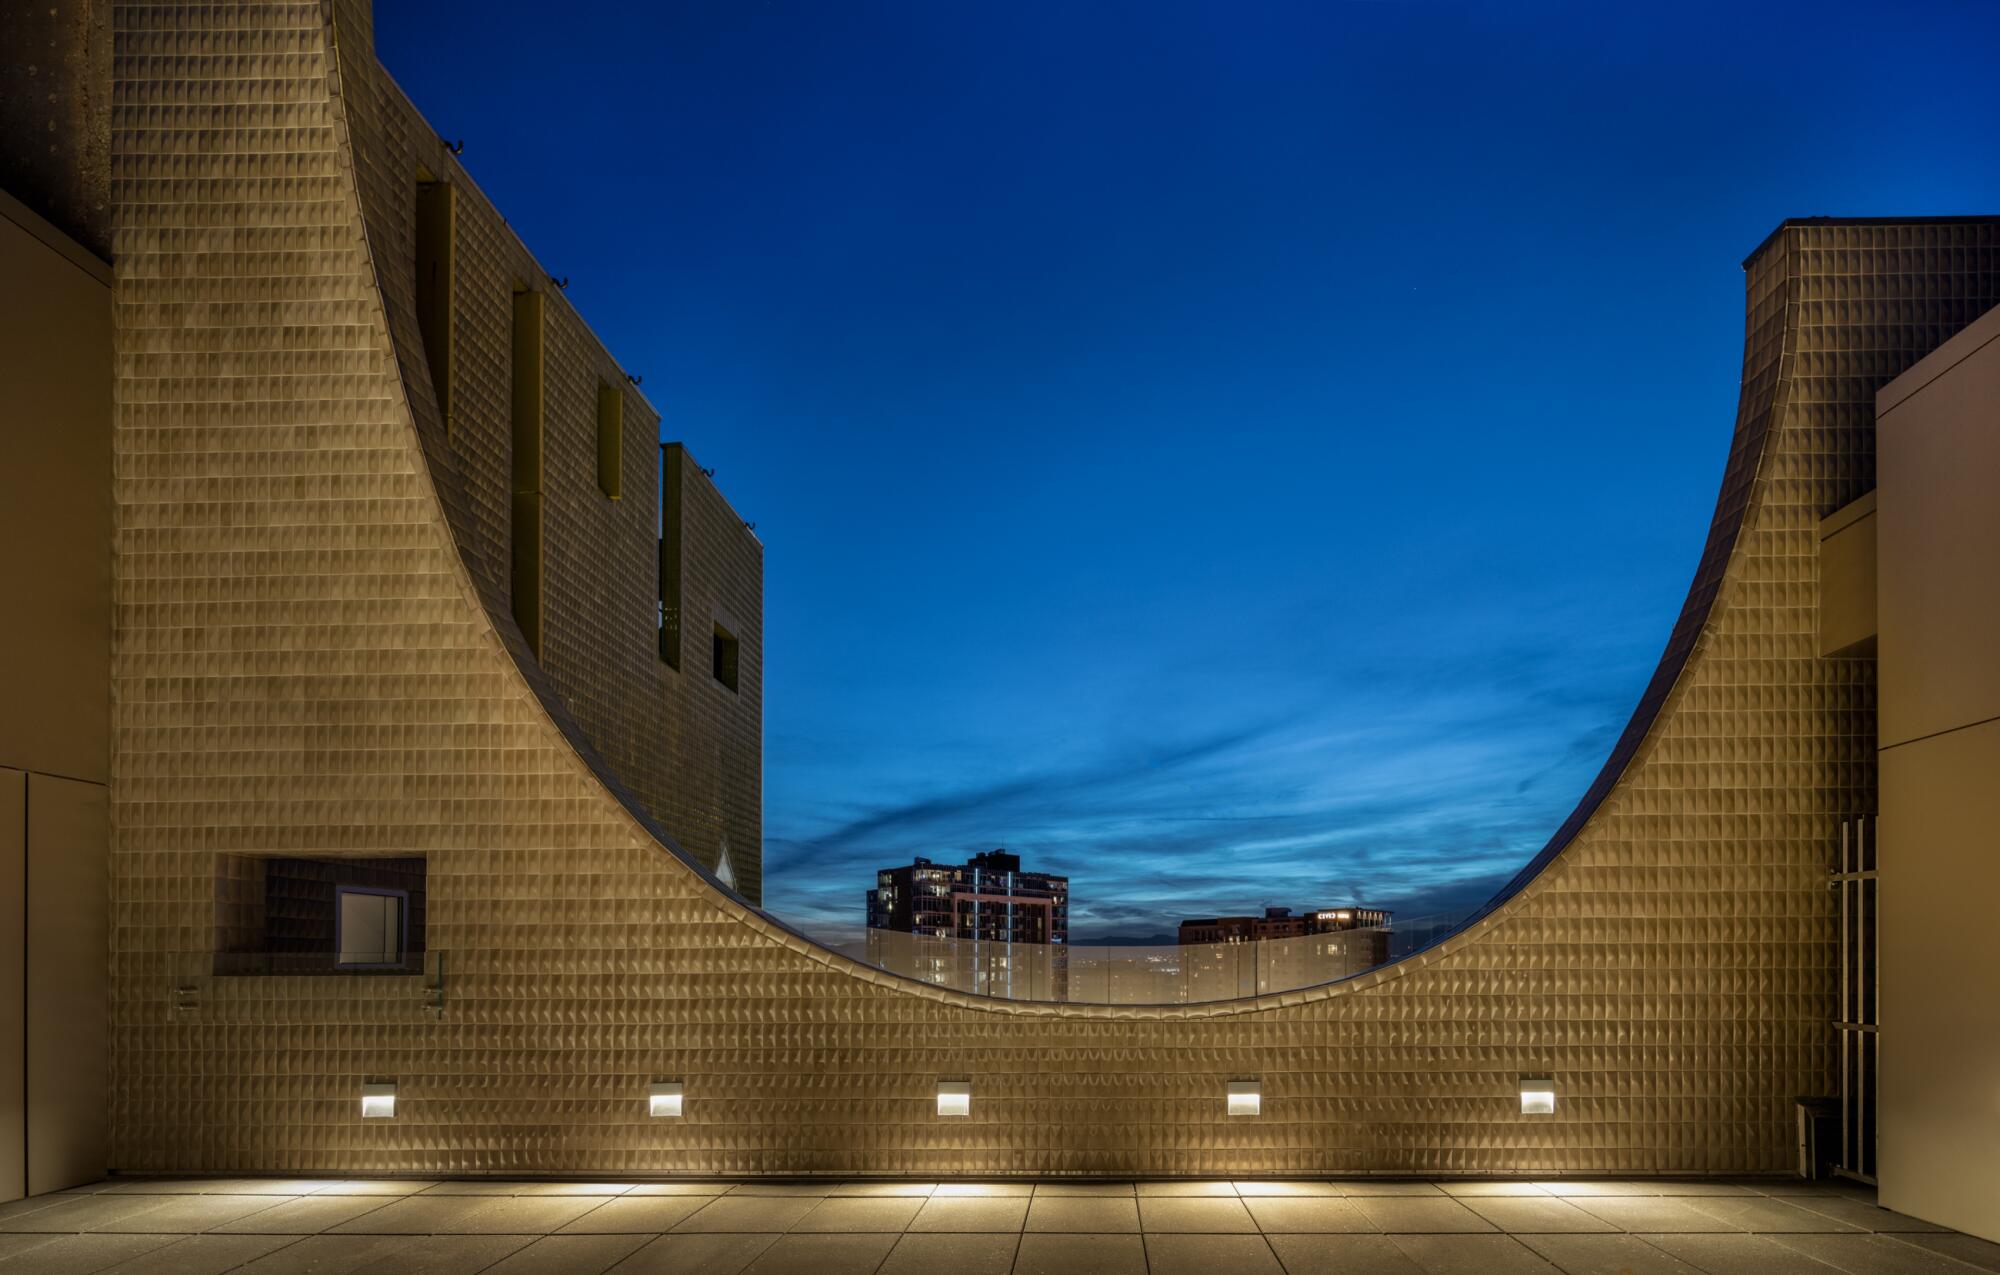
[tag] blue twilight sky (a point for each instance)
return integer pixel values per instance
(1230, 453)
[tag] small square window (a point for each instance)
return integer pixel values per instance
(370, 927)
(725, 657)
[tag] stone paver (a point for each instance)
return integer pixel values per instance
(305, 1215)
(202, 1255)
(1308, 1215)
(1374, 1226)
(1868, 1254)
(1284, 1189)
(569, 1255)
(1080, 1255)
(1863, 1214)
(1208, 1254)
(378, 1186)
(637, 1215)
(403, 1254)
(77, 1254)
(1544, 1216)
(823, 1255)
(1388, 1187)
(917, 1189)
(1193, 1215)
(1763, 1216)
(697, 1255)
(188, 1214)
(854, 1215)
(1472, 1255)
(73, 1213)
(1606, 1255)
(749, 1213)
(1083, 1215)
(1964, 1248)
(1651, 1214)
(1342, 1255)
(1419, 1216)
(1491, 1188)
(972, 1213)
(954, 1254)
(1740, 1255)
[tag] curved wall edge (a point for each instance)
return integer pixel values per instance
(307, 663)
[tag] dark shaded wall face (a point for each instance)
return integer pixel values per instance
(55, 113)
(686, 748)
(55, 653)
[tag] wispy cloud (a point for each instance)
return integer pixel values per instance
(1418, 776)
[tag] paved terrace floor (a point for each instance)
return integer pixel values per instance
(205, 1226)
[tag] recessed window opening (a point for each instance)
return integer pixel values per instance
(527, 420)
(434, 287)
(672, 457)
(319, 916)
(610, 440)
(370, 927)
(725, 657)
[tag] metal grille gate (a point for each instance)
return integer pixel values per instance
(1857, 1026)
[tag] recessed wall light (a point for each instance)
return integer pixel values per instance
(663, 1100)
(1538, 1096)
(378, 1102)
(1246, 1097)
(954, 1097)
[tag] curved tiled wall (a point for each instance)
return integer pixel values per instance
(313, 656)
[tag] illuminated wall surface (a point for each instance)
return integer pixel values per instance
(315, 656)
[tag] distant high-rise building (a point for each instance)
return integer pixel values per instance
(988, 897)
(1280, 923)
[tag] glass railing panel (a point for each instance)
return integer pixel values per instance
(1087, 974)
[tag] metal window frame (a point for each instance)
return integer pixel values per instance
(402, 898)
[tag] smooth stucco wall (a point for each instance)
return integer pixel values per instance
(55, 522)
(13, 985)
(1847, 580)
(68, 1004)
(55, 501)
(1939, 545)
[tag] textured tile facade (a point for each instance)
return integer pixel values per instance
(314, 657)
(689, 752)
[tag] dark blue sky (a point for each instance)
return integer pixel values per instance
(1233, 454)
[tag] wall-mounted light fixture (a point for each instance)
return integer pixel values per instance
(954, 1097)
(663, 1100)
(378, 1102)
(1246, 1097)
(1538, 1096)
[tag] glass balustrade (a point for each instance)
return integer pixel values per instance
(1083, 974)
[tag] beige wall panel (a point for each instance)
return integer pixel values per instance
(13, 967)
(1847, 580)
(1939, 541)
(313, 656)
(55, 502)
(1939, 546)
(68, 983)
(1940, 883)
